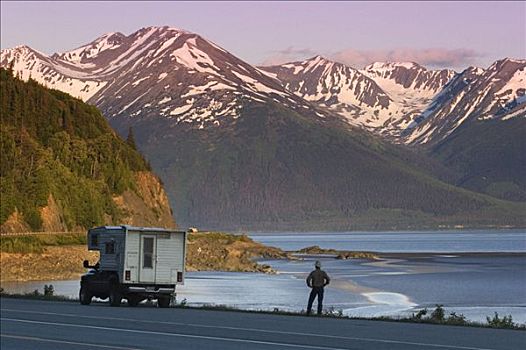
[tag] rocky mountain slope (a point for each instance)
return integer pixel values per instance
(473, 121)
(393, 99)
(63, 168)
(498, 92)
(384, 97)
(240, 147)
(476, 126)
(156, 70)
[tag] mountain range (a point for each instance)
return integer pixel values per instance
(305, 145)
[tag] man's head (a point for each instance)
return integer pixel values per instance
(317, 264)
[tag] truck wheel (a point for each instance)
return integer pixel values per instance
(163, 302)
(115, 296)
(84, 295)
(133, 301)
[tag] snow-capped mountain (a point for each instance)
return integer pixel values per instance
(408, 83)
(29, 63)
(404, 101)
(179, 75)
(340, 88)
(272, 148)
(383, 97)
(158, 71)
(498, 92)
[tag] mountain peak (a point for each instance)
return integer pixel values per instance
(318, 60)
(161, 30)
(512, 60)
(392, 65)
(23, 49)
(507, 62)
(19, 51)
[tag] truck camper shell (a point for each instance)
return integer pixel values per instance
(135, 263)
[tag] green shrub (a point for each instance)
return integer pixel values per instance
(420, 314)
(438, 314)
(49, 290)
(497, 322)
(458, 320)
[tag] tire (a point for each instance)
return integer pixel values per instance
(163, 302)
(115, 296)
(85, 295)
(133, 301)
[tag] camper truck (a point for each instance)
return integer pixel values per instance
(136, 263)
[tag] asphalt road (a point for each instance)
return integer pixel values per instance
(32, 324)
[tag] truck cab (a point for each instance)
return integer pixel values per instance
(136, 263)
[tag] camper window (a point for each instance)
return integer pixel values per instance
(94, 240)
(110, 247)
(147, 261)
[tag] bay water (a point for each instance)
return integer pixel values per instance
(475, 273)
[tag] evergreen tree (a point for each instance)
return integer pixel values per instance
(130, 140)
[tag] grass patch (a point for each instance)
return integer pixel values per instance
(35, 243)
(437, 316)
(48, 294)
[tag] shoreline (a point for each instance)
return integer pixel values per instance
(43, 268)
(376, 231)
(447, 254)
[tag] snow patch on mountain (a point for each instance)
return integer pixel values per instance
(192, 57)
(108, 41)
(28, 63)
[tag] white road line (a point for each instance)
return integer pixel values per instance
(48, 340)
(388, 341)
(234, 340)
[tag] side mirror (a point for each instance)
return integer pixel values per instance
(86, 264)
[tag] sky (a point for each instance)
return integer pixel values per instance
(438, 34)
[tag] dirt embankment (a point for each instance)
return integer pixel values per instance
(225, 252)
(205, 251)
(55, 263)
(340, 254)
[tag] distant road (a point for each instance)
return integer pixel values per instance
(31, 324)
(40, 233)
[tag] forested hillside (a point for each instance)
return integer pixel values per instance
(62, 166)
(489, 156)
(274, 169)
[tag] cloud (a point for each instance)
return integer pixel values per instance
(289, 54)
(432, 57)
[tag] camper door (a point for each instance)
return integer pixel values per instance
(148, 259)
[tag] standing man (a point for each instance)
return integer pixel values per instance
(317, 280)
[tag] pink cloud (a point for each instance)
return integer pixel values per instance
(433, 57)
